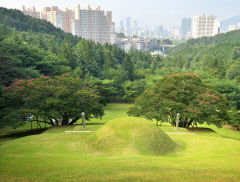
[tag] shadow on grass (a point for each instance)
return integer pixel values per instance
(202, 130)
(96, 123)
(211, 132)
(20, 134)
(89, 124)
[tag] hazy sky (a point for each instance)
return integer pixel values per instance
(146, 12)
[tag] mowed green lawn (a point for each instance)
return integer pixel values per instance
(211, 155)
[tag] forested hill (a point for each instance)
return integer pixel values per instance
(231, 39)
(16, 19)
(217, 56)
(31, 47)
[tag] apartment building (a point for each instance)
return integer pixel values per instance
(69, 17)
(30, 12)
(203, 25)
(54, 16)
(91, 24)
(186, 26)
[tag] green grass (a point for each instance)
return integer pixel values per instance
(211, 155)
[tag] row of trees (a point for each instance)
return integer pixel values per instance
(60, 100)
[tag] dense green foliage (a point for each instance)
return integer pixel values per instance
(217, 57)
(56, 101)
(196, 102)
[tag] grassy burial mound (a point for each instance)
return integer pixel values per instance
(132, 135)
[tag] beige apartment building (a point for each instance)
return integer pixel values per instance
(30, 12)
(203, 25)
(54, 16)
(69, 16)
(91, 24)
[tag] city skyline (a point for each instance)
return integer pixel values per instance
(147, 13)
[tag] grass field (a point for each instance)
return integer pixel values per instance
(211, 155)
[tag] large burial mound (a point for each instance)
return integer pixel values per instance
(132, 135)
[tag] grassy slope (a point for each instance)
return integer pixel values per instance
(57, 156)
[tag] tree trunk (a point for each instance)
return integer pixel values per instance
(39, 125)
(73, 121)
(190, 122)
(65, 119)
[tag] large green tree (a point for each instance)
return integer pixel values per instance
(185, 94)
(57, 101)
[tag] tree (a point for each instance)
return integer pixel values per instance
(57, 101)
(128, 67)
(185, 94)
(235, 119)
(231, 90)
(234, 71)
(66, 55)
(105, 89)
(133, 89)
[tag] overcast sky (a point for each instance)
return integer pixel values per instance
(146, 12)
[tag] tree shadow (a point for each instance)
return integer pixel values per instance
(96, 123)
(20, 134)
(201, 130)
(90, 124)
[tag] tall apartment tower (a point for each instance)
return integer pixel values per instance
(186, 27)
(53, 15)
(30, 12)
(121, 27)
(69, 16)
(203, 25)
(93, 24)
(128, 30)
(109, 26)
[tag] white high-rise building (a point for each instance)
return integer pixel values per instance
(203, 25)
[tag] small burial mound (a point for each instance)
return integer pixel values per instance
(131, 135)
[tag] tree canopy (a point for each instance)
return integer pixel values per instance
(57, 101)
(185, 94)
